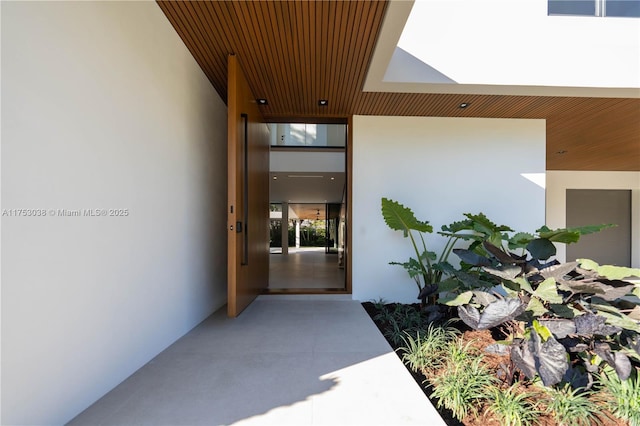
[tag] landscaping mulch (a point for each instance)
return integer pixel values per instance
(478, 342)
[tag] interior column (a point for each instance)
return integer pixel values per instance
(285, 228)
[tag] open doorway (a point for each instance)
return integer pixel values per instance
(308, 208)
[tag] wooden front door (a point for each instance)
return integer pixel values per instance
(248, 194)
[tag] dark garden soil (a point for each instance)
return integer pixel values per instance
(478, 341)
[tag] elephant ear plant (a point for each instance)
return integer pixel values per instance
(578, 317)
(421, 268)
(430, 271)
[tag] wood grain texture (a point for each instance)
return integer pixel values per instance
(294, 53)
(247, 262)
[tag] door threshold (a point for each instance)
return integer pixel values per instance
(312, 297)
(305, 291)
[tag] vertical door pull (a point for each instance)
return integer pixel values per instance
(245, 191)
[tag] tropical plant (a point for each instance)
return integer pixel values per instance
(578, 311)
(420, 268)
(427, 268)
(513, 406)
(624, 401)
(572, 407)
(578, 308)
(489, 257)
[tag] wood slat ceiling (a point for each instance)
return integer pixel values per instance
(297, 52)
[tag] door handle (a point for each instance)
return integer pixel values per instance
(245, 190)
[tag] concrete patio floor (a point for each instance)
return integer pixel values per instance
(287, 360)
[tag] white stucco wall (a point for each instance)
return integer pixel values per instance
(441, 168)
(543, 50)
(559, 181)
(103, 107)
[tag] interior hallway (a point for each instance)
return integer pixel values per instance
(287, 360)
(305, 268)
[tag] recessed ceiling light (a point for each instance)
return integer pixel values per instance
(262, 101)
(333, 178)
(323, 102)
(275, 177)
(463, 105)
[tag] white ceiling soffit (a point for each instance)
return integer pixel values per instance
(502, 47)
(307, 187)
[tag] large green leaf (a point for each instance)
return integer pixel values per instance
(524, 284)
(401, 218)
(536, 307)
(548, 291)
(620, 320)
(558, 235)
(569, 235)
(609, 271)
(591, 229)
(470, 280)
(520, 240)
(453, 299)
(564, 311)
(455, 227)
(472, 258)
(482, 224)
(541, 248)
(449, 284)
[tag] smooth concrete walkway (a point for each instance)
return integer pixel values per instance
(287, 360)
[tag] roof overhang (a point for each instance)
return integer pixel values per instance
(394, 69)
